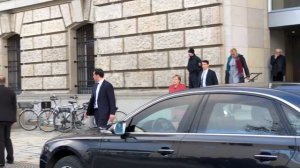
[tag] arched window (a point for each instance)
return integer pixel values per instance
(85, 58)
(14, 65)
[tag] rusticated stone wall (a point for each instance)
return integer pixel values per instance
(143, 43)
(44, 45)
(139, 43)
(45, 57)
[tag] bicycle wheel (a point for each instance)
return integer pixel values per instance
(46, 120)
(63, 121)
(28, 120)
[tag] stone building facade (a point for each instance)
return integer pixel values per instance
(140, 44)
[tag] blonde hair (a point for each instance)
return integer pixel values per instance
(177, 76)
(234, 49)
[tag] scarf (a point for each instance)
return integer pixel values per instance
(238, 65)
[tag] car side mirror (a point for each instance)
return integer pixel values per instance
(119, 128)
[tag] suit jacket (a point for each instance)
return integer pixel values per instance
(106, 100)
(8, 105)
(278, 65)
(211, 78)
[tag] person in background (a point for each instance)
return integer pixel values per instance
(102, 103)
(176, 86)
(235, 68)
(278, 65)
(207, 77)
(8, 115)
(194, 68)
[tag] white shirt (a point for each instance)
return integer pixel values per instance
(203, 78)
(97, 93)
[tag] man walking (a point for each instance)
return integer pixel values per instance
(207, 77)
(278, 65)
(103, 102)
(8, 111)
(194, 67)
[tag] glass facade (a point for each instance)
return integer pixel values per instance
(283, 4)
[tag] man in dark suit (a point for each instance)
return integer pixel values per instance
(278, 64)
(8, 111)
(102, 104)
(194, 68)
(207, 77)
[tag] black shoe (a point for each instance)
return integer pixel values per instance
(10, 161)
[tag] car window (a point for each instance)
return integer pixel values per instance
(240, 114)
(166, 116)
(293, 117)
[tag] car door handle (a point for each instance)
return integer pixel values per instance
(264, 158)
(165, 151)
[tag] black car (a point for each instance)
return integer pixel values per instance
(218, 127)
(285, 86)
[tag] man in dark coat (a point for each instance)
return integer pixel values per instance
(8, 111)
(207, 77)
(278, 65)
(102, 104)
(194, 68)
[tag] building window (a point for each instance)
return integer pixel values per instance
(85, 58)
(282, 4)
(14, 65)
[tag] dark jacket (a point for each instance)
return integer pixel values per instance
(278, 65)
(194, 65)
(8, 105)
(106, 100)
(211, 78)
(244, 65)
(194, 68)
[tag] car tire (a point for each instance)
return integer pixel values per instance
(68, 162)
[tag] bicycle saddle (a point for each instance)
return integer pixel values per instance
(53, 98)
(72, 102)
(74, 97)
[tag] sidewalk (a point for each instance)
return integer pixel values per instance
(27, 147)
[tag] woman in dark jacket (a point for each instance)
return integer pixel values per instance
(236, 65)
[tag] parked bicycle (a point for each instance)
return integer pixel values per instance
(47, 117)
(68, 119)
(28, 118)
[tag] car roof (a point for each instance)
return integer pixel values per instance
(235, 89)
(290, 99)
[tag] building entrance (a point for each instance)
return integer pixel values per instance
(292, 44)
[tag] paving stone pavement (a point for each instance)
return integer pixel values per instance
(28, 146)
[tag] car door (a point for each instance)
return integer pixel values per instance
(236, 130)
(153, 136)
(293, 118)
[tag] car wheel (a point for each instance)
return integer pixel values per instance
(68, 162)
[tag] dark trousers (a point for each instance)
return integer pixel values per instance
(193, 80)
(278, 77)
(5, 143)
(99, 120)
